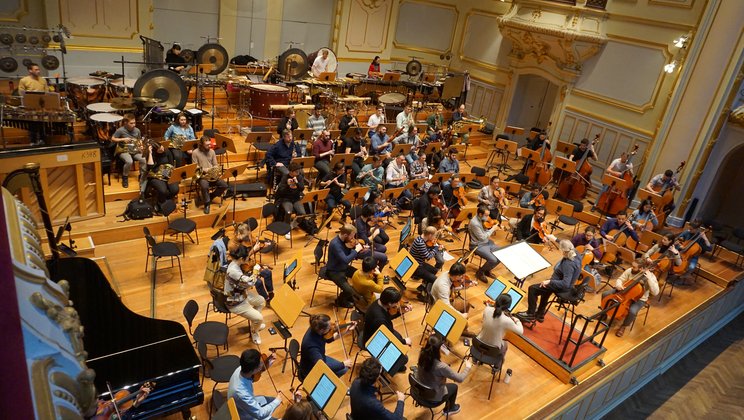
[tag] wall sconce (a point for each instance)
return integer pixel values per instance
(669, 68)
(681, 42)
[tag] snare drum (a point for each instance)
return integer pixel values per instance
(104, 124)
(263, 96)
(84, 91)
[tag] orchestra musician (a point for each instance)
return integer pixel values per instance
(342, 250)
(381, 144)
(434, 373)
(357, 145)
(694, 231)
(410, 138)
(480, 239)
(173, 59)
(435, 122)
(565, 274)
(616, 168)
(459, 114)
(650, 286)
(367, 282)
(244, 237)
(205, 159)
(127, 133)
(290, 191)
(374, 68)
(363, 395)
(242, 298)
(177, 133)
(450, 164)
(336, 183)
(531, 199)
(371, 175)
(160, 163)
(396, 176)
(33, 82)
(348, 121)
(317, 122)
(497, 321)
(288, 122)
(532, 228)
(280, 154)
(403, 123)
(241, 388)
(423, 248)
(447, 283)
(382, 312)
(450, 191)
(643, 215)
(313, 347)
(375, 120)
(664, 182)
(537, 142)
(423, 203)
(588, 239)
(321, 63)
(618, 222)
(494, 198)
(370, 232)
(323, 150)
(667, 244)
(578, 152)
(419, 168)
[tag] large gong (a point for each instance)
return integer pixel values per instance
(332, 61)
(214, 54)
(163, 84)
(293, 63)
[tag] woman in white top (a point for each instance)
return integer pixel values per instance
(497, 321)
(242, 298)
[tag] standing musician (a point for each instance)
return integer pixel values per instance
(242, 298)
(323, 149)
(124, 135)
(618, 222)
(450, 163)
(460, 114)
(616, 168)
(370, 232)
(313, 348)
(348, 121)
(34, 83)
(288, 122)
(381, 143)
(643, 215)
(251, 406)
(533, 198)
(342, 250)
(357, 145)
(497, 321)
(666, 245)
(494, 198)
(374, 68)
(375, 120)
(290, 191)
(423, 248)
(702, 240)
(336, 183)
(480, 239)
(588, 239)
(533, 228)
(317, 122)
(382, 312)
(206, 160)
(321, 63)
(367, 282)
(578, 152)
(160, 164)
(280, 154)
(178, 133)
(435, 122)
(396, 176)
(363, 395)
(404, 122)
(565, 274)
(664, 182)
(650, 286)
(371, 175)
(173, 59)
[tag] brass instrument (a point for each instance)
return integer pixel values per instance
(177, 140)
(131, 146)
(210, 174)
(163, 172)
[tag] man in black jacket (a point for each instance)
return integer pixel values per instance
(363, 394)
(378, 314)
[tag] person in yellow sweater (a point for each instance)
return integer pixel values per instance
(34, 82)
(367, 282)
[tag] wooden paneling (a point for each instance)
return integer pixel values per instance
(100, 18)
(484, 100)
(368, 25)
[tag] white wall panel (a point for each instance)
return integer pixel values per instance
(434, 32)
(482, 40)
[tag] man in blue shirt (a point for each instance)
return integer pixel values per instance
(250, 406)
(281, 153)
(363, 393)
(381, 144)
(313, 347)
(450, 163)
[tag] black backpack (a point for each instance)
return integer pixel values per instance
(138, 209)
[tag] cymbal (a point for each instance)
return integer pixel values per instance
(161, 88)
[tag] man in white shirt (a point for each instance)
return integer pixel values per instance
(396, 176)
(320, 65)
(403, 122)
(650, 286)
(375, 119)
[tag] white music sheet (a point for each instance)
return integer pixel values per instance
(521, 259)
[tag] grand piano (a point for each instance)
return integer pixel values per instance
(126, 349)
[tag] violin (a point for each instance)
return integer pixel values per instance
(124, 400)
(351, 243)
(539, 199)
(266, 361)
(336, 328)
(402, 307)
(490, 223)
(464, 282)
(539, 227)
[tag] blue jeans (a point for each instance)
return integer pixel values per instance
(337, 367)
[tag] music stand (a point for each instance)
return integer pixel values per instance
(181, 173)
(565, 165)
(529, 154)
(393, 193)
(312, 198)
(404, 265)
(287, 305)
(511, 188)
(467, 213)
(304, 162)
(449, 326)
(189, 145)
(303, 134)
(521, 260)
(321, 371)
(612, 181)
(391, 129)
(440, 177)
(516, 212)
(334, 134)
(433, 147)
(505, 148)
(644, 194)
(232, 172)
(346, 158)
(387, 349)
(565, 148)
(254, 140)
(226, 142)
(514, 131)
(401, 149)
(355, 194)
(416, 184)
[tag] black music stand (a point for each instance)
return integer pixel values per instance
(505, 147)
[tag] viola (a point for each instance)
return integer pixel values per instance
(124, 400)
(459, 192)
(489, 223)
(464, 282)
(266, 361)
(353, 242)
(336, 328)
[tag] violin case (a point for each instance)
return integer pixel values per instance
(251, 189)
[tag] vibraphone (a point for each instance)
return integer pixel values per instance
(55, 122)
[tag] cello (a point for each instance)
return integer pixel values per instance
(574, 187)
(690, 249)
(616, 198)
(539, 172)
(632, 291)
(667, 196)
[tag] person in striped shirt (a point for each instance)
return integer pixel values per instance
(421, 251)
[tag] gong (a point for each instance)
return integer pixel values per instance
(214, 54)
(413, 68)
(8, 64)
(50, 62)
(293, 63)
(164, 85)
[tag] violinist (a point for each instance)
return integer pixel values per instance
(616, 168)
(242, 298)
(452, 195)
(357, 145)
(666, 245)
(650, 286)
(348, 121)
(532, 228)
(480, 238)
(342, 250)
(382, 312)
(494, 198)
(370, 232)
(450, 163)
(643, 216)
(374, 120)
(433, 373)
(449, 282)
(664, 182)
(423, 248)
(422, 204)
(290, 191)
(313, 347)
(205, 159)
(588, 239)
(241, 386)
(565, 274)
(244, 237)
(363, 395)
(497, 321)
(367, 282)
(160, 164)
(336, 183)
(531, 199)
(619, 222)
(694, 231)
(323, 152)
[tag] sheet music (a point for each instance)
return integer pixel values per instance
(521, 259)
(447, 256)
(376, 345)
(323, 391)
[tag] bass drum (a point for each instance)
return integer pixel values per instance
(84, 91)
(263, 96)
(332, 61)
(164, 85)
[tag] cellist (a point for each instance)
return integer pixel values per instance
(702, 240)
(650, 286)
(664, 182)
(616, 168)
(661, 248)
(617, 223)
(643, 215)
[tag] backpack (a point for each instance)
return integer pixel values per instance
(308, 225)
(138, 209)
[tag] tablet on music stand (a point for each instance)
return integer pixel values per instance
(292, 267)
(453, 329)
(495, 289)
(387, 349)
(325, 390)
(516, 295)
(322, 392)
(444, 324)
(403, 264)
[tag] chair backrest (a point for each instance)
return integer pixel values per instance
(490, 352)
(421, 392)
(252, 223)
(578, 207)
(189, 311)
(268, 209)
(294, 350)
(738, 234)
(218, 400)
(219, 300)
(319, 251)
(168, 207)
(478, 171)
(148, 237)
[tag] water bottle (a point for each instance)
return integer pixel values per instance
(507, 377)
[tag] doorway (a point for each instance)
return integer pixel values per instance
(533, 102)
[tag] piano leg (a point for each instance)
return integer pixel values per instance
(186, 414)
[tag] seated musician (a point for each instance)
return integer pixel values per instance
(336, 183)
(588, 239)
(617, 223)
(450, 164)
(35, 83)
(371, 233)
(288, 122)
(290, 191)
(321, 64)
(363, 395)
(342, 250)
(124, 136)
(537, 142)
(426, 201)
(616, 168)
(403, 123)
(533, 198)
(178, 133)
(433, 372)
(409, 138)
(382, 312)
(650, 286)
(323, 149)
(532, 228)
(206, 160)
(450, 191)
(375, 120)
(480, 240)
(250, 405)
(174, 61)
(317, 122)
(664, 247)
(242, 298)
(244, 237)
(348, 121)
(313, 347)
(280, 154)
(494, 198)
(423, 248)
(565, 274)
(419, 168)
(459, 114)
(412, 155)
(447, 282)
(497, 321)
(357, 145)
(643, 215)
(381, 144)
(396, 176)
(367, 282)
(371, 175)
(160, 164)
(435, 122)
(664, 182)
(374, 68)
(694, 231)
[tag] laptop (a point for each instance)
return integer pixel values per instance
(327, 76)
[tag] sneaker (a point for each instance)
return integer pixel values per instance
(262, 327)
(288, 236)
(125, 182)
(452, 410)
(256, 338)
(526, 316)
(206, 209)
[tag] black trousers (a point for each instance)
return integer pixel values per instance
(163, 191)
(544, 293)
(347, 292)
(426, 272)
(219, 187)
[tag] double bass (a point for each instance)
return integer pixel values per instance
(574, 187)
(539, 172)
(667, 196)
(616, 199)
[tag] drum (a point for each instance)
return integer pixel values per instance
(392, 98)
(104, 124)
(124, 88)
(84, 91)
(332, 61)
(263, 96)
(100, 107)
